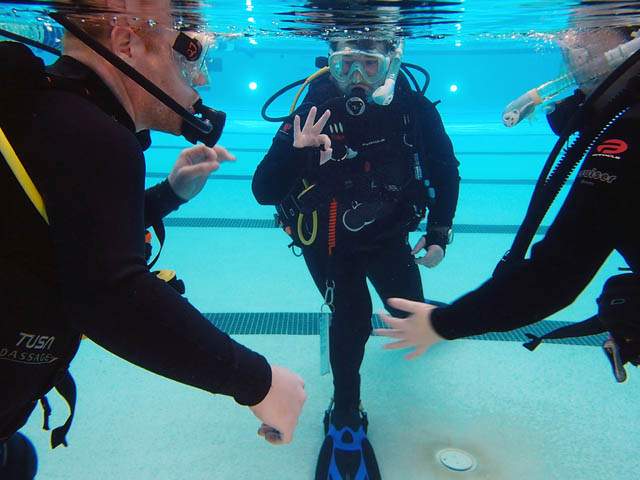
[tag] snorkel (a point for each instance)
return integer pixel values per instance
(207, 128)
(383, 95)
(587, 72)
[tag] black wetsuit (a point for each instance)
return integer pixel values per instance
(373, 195)
(599, 215)
(86, 272)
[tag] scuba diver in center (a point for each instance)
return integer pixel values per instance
(349, 188)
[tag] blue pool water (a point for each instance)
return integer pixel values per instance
(556, 413)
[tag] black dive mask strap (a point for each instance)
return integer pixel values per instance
(215, 118)
(203, 127)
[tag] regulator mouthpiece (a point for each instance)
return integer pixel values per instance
(215, 119)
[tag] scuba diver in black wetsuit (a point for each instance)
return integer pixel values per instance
(348, 189)
(72, 254)
(598, 216)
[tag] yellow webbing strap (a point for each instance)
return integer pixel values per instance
(22, 176)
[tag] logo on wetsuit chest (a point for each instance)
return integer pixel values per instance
(595, 174)
(612, 147)
(30, 349)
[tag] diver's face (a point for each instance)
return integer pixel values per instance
(352, 68)
(155, 59)
(581, 47)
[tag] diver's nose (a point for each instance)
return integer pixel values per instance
(200, 80)
(357, 77)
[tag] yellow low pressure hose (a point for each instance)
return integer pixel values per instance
(314, 214)
(22, 176)
(309, 79)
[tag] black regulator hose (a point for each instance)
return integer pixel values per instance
(405, 68)
(427, 78)
(271, 99)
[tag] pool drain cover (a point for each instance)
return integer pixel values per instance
(455, 459)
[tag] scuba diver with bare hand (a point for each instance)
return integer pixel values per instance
(348, 187)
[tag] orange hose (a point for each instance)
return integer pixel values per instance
(333, 214)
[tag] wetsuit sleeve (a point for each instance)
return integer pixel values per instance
(283, 165)
(440, 163)
(159, 201)
(97, 226)
(589, 226)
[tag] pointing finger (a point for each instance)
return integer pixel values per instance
(223, 154)
(416, 353)
(322, 121)
(388, 332)
(391, 321)
(419, 246)
(397, 345)
(325, 141)
(308, 124)
(296, 126)
(405, 305)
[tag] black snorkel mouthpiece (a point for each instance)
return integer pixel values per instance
(214, 119)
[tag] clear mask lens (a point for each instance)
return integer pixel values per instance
(190, 53)
(371, 65)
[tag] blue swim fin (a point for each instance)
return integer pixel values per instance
(347, 454)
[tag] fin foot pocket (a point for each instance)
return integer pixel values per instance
(346, 453)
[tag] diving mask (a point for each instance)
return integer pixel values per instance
(378, 70)
(372, 65)
(190, 54)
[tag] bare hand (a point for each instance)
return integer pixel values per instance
(311, 134)
(192, 169)
(413, 331)
(280, 409)
(434, 255)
